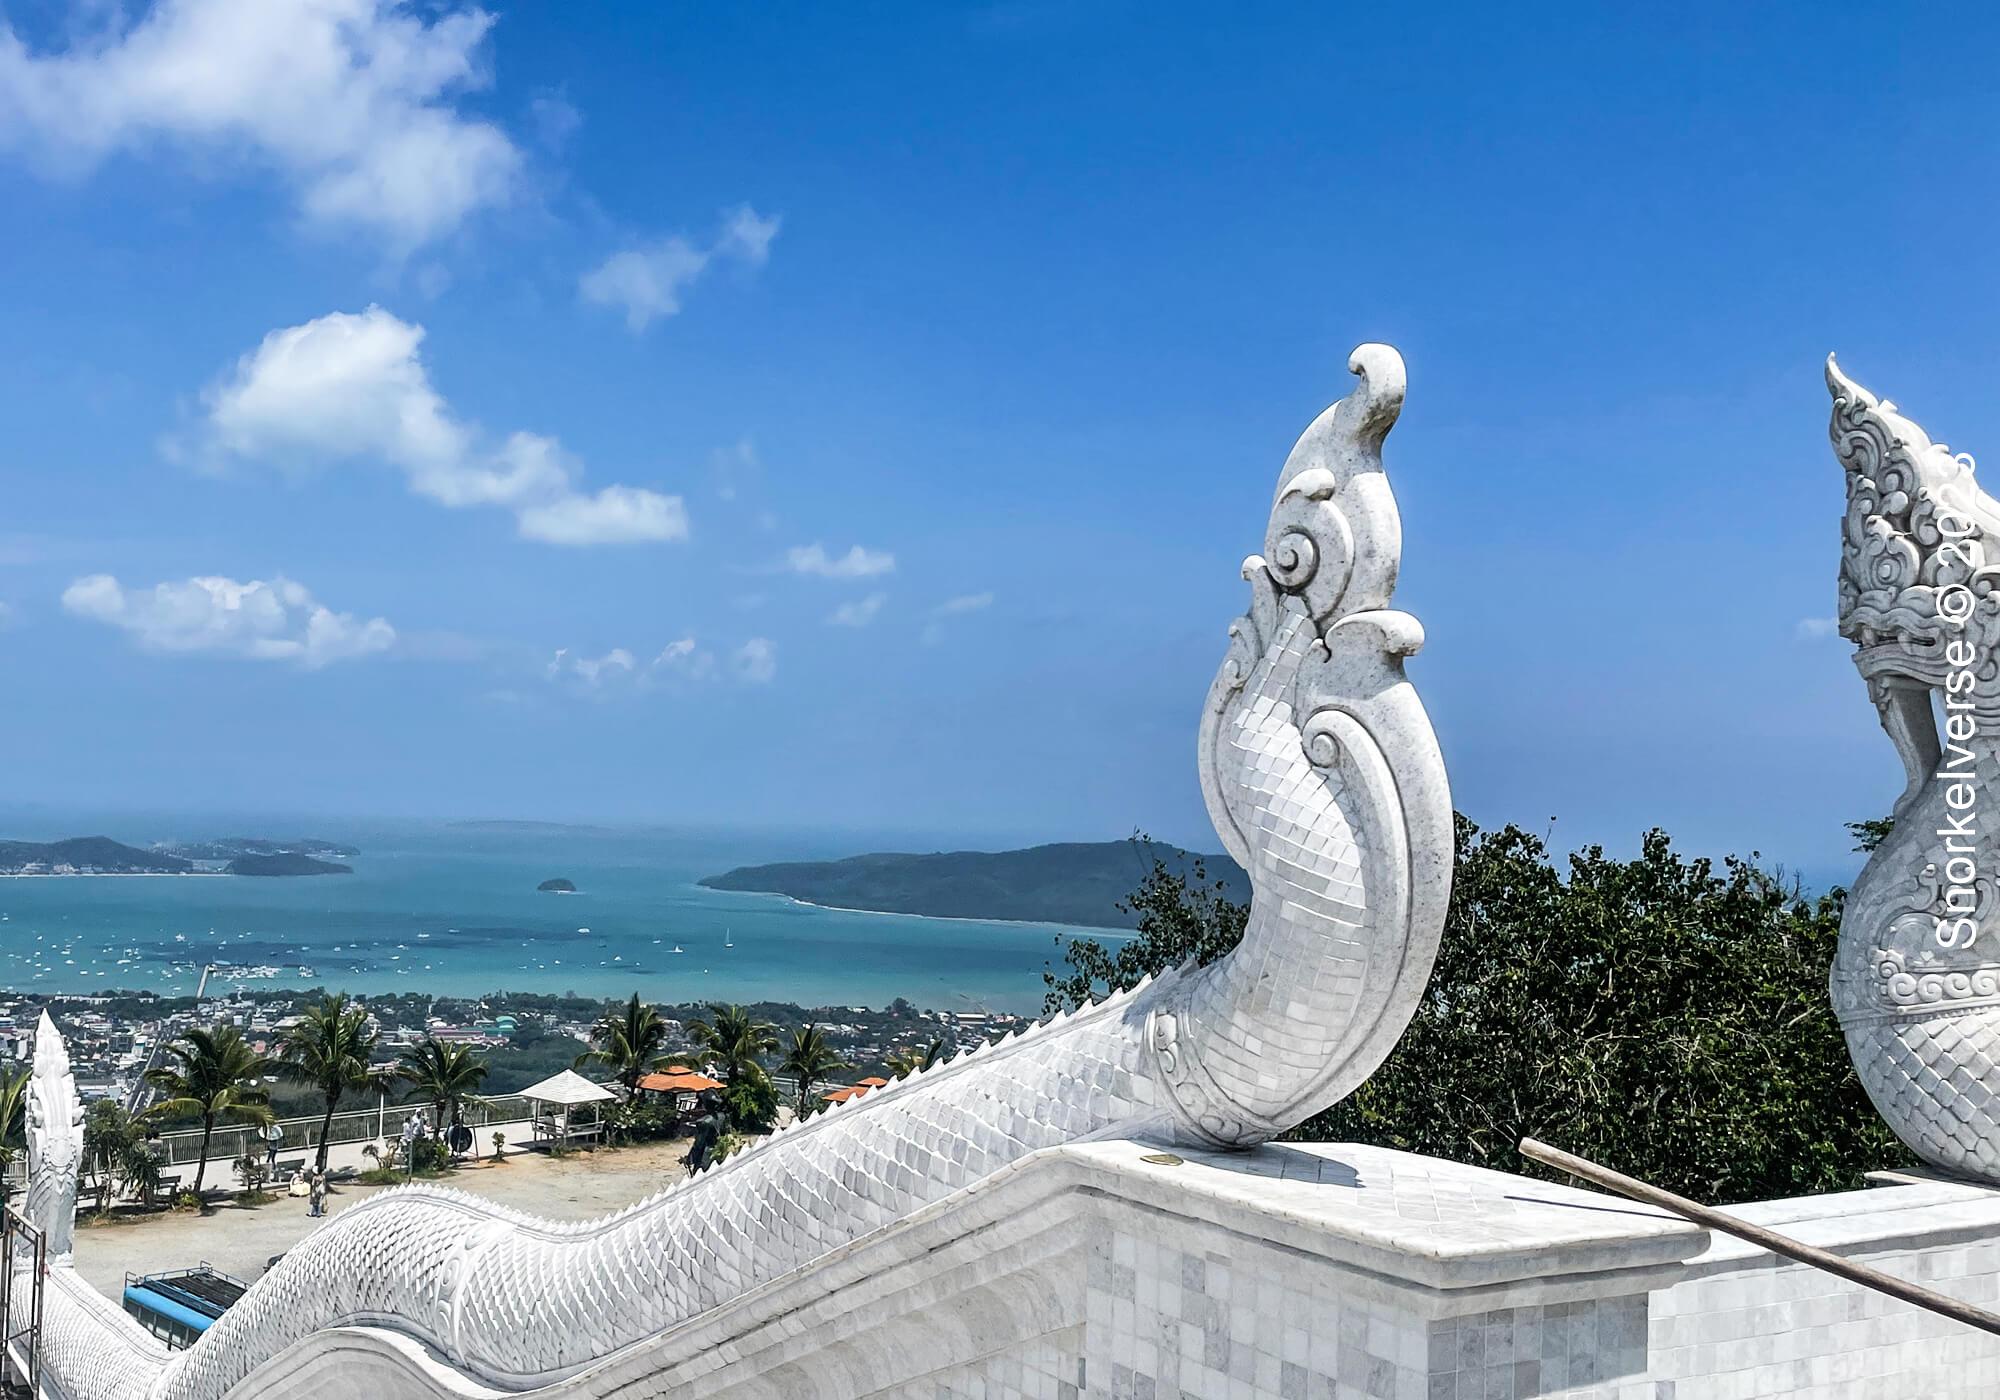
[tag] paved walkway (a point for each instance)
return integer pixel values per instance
(241, 1239)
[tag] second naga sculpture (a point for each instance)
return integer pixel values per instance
(1323, 779)
(1916, 979)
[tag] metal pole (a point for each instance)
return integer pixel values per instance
(1585, 1170)
(35, 1335)
(6, 1287)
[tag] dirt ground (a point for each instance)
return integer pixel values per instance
(239, 1239)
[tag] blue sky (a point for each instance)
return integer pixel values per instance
(853, 416)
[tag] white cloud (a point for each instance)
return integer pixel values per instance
(347, 387)
(757, 660)
(646, 282)
(615, 515)
(934, 630)
(860, 612)
(856, 563)
(680, 663)
(1814, 628)
(353, 102)
(274, 621)
(684, 659)
(591, 672)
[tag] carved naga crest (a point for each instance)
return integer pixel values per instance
(55, 1140)
(1324, 781)
(1916, 979)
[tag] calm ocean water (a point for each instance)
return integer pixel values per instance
(455, 910)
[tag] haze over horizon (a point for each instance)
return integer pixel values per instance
(799, 420)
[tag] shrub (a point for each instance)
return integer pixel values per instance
(751, 1102)
(250, 1168)
(1660, 1015)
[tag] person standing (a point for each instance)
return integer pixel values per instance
(274, 1138)
(316, 1193)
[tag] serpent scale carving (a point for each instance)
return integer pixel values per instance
(1915, 981)
(1324, 780)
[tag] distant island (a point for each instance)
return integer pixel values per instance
(87, 855)
(100, 855)
(527, 828)
(227, 848)
(285, 863)
(1077, 882)
(557, 886)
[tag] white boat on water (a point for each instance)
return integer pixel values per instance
(679, 949)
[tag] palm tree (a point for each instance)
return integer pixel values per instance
(734, 1040)
(13, 1120)
(810, 1060)
(443, 1075)
(329, 1049)
(631, 1042)
(910, 1060)
(215, 1074)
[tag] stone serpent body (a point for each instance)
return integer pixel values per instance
(1324, 780)
(1915, 981)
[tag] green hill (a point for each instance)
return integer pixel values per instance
(285, 863)
(1077, 882)
(98, 853)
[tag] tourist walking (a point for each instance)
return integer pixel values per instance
(274, 1138)
(316, 1193)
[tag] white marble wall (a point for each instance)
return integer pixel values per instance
(1294, 1272)
(1189, 1305)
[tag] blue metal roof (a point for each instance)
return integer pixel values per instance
(156, 1302)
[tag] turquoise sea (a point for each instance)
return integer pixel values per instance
(454, 910)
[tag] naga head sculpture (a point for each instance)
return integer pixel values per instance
(1915, 984)
(55, 1141)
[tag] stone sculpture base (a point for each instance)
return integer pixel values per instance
(1300, 1272)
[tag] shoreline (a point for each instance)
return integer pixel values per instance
(941, 918)
(117, 875)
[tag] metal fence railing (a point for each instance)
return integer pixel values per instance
(232, 1140)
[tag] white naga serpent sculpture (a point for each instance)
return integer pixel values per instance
(1324, 780)
(1916, 983)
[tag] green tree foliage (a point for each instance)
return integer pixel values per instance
(13, 1121)
(811, 1060)
(1871, 833)
(734, 1039)
(216, 1076)
(907, 1060)
(442, 1074)
(751, 1101)
(1660, 1015)
(329, 1050)
(630, 1042)
(115, 1152)
(1179, 916)
(738, 1041)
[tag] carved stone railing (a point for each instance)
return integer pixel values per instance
(1323, 779)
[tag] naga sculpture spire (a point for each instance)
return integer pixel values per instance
(55, 1142)
(1324, 780)
(1915, 981)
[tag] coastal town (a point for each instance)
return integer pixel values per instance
(115, 1036)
